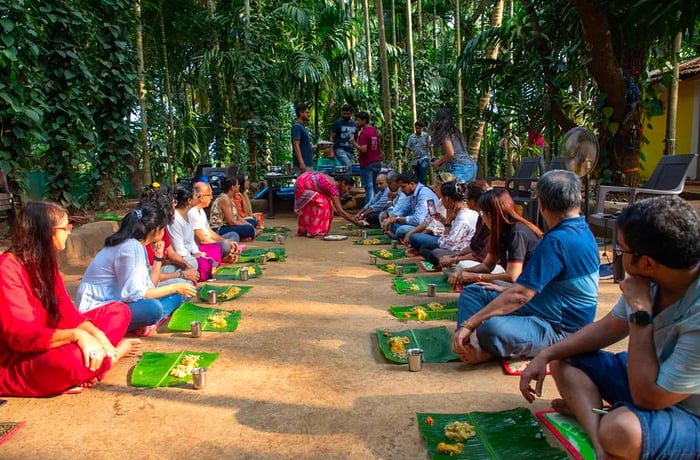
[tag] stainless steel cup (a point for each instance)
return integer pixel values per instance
(372, 259)
(243, 274)
(363, 234)
(394, 245)
(349, 226)
(282, 239)
(399, 271)
(199, 378)
(415, 359)
(196, 329)
(431, 290)
(263, 259)
(211, 297)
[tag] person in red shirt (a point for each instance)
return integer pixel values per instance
(368, 143)
(46, 345)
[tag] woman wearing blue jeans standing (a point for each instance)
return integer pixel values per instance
(455, 158)
(121, 272)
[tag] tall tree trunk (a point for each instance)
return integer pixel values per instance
(485, 98)
(384, 66)
(169, 95)
(397, 91)
(419, 15)
(458, 52)
(368, 45)
(145, 153)
(670, 141)
(411, 67)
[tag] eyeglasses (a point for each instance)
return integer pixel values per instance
(619, 251)
(67, 227)
(205, 195)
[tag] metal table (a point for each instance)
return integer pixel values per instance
(271, 179)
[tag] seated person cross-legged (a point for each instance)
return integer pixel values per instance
(555, 295)
(120, 271)
(427, 232)
(654, 386)
(46, 345)
(224, 218)
(512, 242)
(203, 233)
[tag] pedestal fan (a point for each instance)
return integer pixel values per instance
(580, 147)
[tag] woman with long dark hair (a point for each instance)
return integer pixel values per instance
(46, 345)
(447, 137)
(120, 271)
(512, 240)
(224, 218)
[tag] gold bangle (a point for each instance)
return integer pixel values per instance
(465, 324)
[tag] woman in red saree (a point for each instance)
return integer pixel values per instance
(316, 197)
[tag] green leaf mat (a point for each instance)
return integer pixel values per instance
(228, 272)
(508, 435)
(253, 255)
(276, 229)
(220, 290)
(265, 237)
(427, 266)
(153, 370)
(389, 254)
(390, 268)
(436, 343)
(449, 311)
(403, 285)
(373, 240)
(183, 316)
(370, 231)
(569, 432)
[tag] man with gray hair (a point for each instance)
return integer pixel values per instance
(370, 211)
(555, 295)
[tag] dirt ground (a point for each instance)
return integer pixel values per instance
(301, 378)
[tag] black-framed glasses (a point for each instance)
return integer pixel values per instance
(67, 227)
(619, 251)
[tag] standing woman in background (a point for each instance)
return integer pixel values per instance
(120, 271)
(447, 137)
(46, 345)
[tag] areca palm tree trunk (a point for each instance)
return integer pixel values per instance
(168, 94)
(368, 45)
(145, 154)
(411, 68)
(384, 67)
(670, 140)
(485, 98)
(458, 50)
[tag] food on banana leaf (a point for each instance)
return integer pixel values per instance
(218, 320)
(459, 431)
(450, 449)
(185, 367)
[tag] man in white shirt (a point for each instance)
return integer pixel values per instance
(203, 233)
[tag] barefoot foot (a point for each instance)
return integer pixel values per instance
(560, 406)
(129, 347)
(474, 355)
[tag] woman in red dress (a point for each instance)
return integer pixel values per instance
(46, 345)
(316, 196)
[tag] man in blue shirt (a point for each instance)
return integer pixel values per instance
(413, 210)
(653, 386)
(370, 211)
(554, 296)
(302, 151)
(344, 129)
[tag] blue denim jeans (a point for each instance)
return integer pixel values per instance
(243, 231)
(400, 230)
(145, 312)
(344, 157)
(519, 334)
(421, 169)
(464, 173)
(368, 175)
(423, 240)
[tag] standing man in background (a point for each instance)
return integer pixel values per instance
(344, 129)
(302, 151)
(369, 146)
(419, 144)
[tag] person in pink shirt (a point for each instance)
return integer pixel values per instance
(369, 145)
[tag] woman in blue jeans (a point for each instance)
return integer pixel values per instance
(224, 218)
(447, 137)
(121, 272)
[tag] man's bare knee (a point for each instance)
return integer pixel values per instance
(620, 433)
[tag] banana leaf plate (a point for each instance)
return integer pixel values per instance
(183, 316)
(391, 268)
(373, 241)
(265, 237)
(448, 311)
(436, 343)
(419, 284)
(507, 435)
(282, 229)
(153, 370)
(389, 254)
(223, 293)
(370, 231)
(428, 267)
(253, 255)
(228, 272)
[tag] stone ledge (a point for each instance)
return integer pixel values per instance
(83, 244)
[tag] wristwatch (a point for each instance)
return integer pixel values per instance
(641, 318)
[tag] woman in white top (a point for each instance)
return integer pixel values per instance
(120, 271)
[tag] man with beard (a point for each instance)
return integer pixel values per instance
(412, 211)
(303, 154)
(369, 146)
(344, 129)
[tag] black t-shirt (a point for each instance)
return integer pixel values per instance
(521, 242)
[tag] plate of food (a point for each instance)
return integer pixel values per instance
(335, 237)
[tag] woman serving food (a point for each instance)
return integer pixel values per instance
(316, 197)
